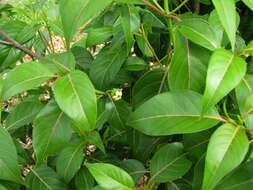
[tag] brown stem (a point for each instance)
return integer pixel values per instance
(11, 42)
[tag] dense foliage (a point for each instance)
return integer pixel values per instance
(126, 94)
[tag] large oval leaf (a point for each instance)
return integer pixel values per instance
(9, 169)
(200, 32)
(76, 96)
(240, 179)
(111, 177)
(77, 13)
(70, 159)
(51, 131)
(169, 163)
(227, 13)
(44, 178)
(226, 150)
(170, 113)
(224, 73)
(25, 77)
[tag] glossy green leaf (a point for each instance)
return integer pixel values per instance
(84, 180)
(169, 163)
(51, 132)
(111, 177)
(170, 113)
(187, 70)
(44, 178)
(70, 159)
(23, 113)
(25, 77)
(226, 150)
(241, 178)
(78, 13)
(200, 32)
(224, 73)
(227, 13)
(126, 25)
(9, 169)
(249, 3)
(106, 66)
(76, 96)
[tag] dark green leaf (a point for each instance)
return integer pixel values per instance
(84, 180)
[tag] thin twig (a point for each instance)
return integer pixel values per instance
(11, 42)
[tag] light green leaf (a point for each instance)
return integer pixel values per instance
(23, 113)
(44, 178)
(78, 13)
(226, 10)
(25, 77)
(174, 112)
(224, 73)
(76, 96)
(200, 32)
(2, 188)
(226, 150)
(249, 3)
(169, 163)
(239, 179)
(51, 132)
(70, 159)
(111, 177)
(9, 169)
(84, 180)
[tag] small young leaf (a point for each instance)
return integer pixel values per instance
(111, 177)
(169, 163)
(226, 150)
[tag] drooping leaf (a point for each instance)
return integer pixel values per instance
(170, 113)
(106, 66)
(70, 159)
(200, 32)
(226, 150)
(78, 13)
(23, 113)
(76, 96)
(51, 131)
(9, 169)
(227, 13)
(169, 163)
(25, 77)
(225, 71)
(44, 178)
(111, 177)
(241, 178)
(84, 180)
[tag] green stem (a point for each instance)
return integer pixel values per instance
(179, 6)
(166, 6)
(158, 5)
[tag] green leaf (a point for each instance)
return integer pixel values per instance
(135, 64)
(226, 150)
(226, 10)
(169, 163)
(76, 96)
(9, 169)
(200, 32)
(44, 178)
(98, 35)
(60, 63)
(51, 132)
(244, 93)
(25, 77)
(187, 70)
(249, 3)
(239, 179)
(111, 177)
(170, 113)
(224, 73)
(95, 139)
(70, 159)
(23, 113)
(107, 64)
(78, 13)
(84, 180)
(138, 2)
(2, 188)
